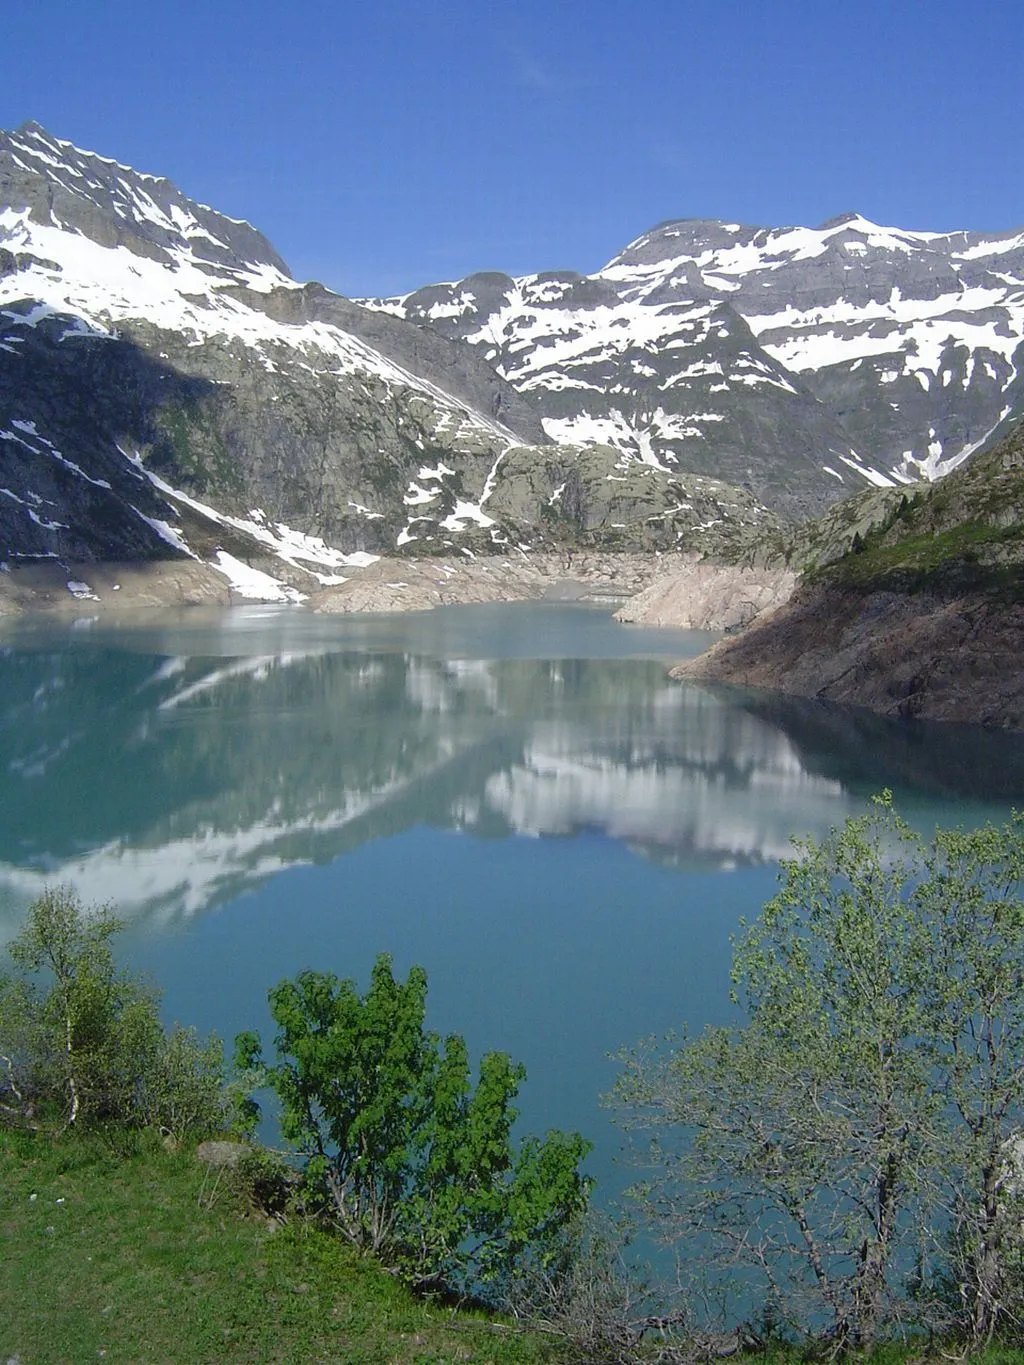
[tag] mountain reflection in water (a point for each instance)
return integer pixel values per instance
(169, 769)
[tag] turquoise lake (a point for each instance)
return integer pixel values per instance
(515, 796)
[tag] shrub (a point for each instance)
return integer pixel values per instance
(81, 1042)
(857, 1129)
(413, 1162)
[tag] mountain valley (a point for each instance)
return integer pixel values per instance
(168, 390)
(182, 422)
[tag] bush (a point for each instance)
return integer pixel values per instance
(182, 1091)
(81, 1043)
(856, 1132)
(413, 1162)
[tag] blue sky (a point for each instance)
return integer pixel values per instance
(385, 144)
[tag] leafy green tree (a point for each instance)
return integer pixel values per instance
(969, 893)
(857, 1123)
(416, 1163)
(82, 1043)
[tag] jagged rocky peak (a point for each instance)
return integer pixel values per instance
(799, 360)
(566, 289)
(841, 220)
(61, 185)
(484, 292)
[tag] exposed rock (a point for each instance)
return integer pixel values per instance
(155, 351)
(222, 1153)
(824, 540)
(118, 588)
(923, 617)
(706, 596)
(897, 653)
(419, 584)
(385, 585)
(796, 361)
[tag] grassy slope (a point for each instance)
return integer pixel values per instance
(146, 1259)
(963, 534)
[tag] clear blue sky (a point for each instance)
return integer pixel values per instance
(384, 144)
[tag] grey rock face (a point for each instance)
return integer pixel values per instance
(800, 361)
(153, 351)
(701, 596)
(922, 616)
(115, 205)
(67, 402)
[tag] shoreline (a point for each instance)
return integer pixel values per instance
(657, 589)
(385, 585)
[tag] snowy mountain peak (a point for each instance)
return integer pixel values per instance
(158, 365)
(708, 371)
(841, 220)
(853, 350)
(61, 185)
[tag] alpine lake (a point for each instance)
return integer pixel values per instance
(515, 796)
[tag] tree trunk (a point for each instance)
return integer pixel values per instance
(987, 1273)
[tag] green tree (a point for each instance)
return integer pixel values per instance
(416, 1163)
(81, 1042)
(969, 894)
(856, 1125)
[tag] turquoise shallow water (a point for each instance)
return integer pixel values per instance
(514, 796)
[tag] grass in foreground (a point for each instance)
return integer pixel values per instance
(142, 1258)
(145, 1257)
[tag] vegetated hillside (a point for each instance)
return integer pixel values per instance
(923, 616)
(167, 389)
(799, 361)
(151, 1256)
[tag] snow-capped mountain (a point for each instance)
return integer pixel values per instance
(167, 388)
(164, 381)
(799, 361)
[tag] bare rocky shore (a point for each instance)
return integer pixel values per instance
(386, 585)
(696, 595)
(915, 655)
(656, 589)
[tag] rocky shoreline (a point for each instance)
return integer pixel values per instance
(935, 657)
(658, 589)
(697, 595)
(385, 585)
(920, 655)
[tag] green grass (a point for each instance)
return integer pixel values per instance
(972, 556)
(145, 1258)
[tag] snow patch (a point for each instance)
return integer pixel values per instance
(253, 583)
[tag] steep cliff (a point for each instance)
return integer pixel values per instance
(923, 616)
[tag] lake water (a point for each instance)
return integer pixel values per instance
(515, 796)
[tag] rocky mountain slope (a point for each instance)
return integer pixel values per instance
(922, 616)
(168, 390)
(800, 362)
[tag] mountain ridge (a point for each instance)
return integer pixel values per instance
(163, 376)
(145, 335)
(908, 344)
